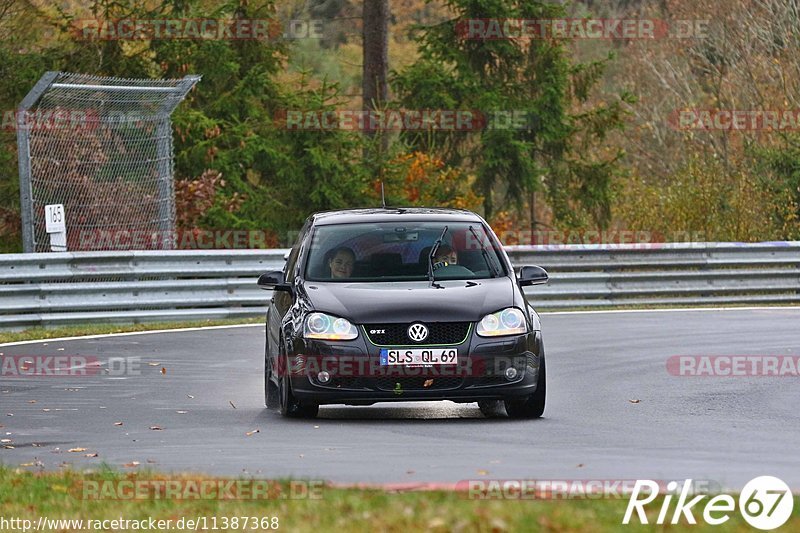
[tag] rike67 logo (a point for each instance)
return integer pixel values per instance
(765, 502)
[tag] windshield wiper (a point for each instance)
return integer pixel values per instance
(432, 255)
(485, 254)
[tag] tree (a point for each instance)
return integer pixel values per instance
(375, 90)
(555, 131)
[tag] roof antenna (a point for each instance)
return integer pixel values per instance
(383, 197)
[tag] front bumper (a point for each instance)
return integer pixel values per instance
(356, 376)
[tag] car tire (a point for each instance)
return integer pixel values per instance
(491, 408)
(531, 406)
(271, 390)
(291, 406)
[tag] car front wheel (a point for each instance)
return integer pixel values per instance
(271, 390)
(291, 406)
(531, 406)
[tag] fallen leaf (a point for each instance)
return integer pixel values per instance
(634, 401)
(117, 423)
(436, 523)
(253, 432)
(156, 428)
(90, 455)
(132, 464)
(163, 371)
(498, 524)
(230, 402)
(76, 450)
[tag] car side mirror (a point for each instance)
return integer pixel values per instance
(533, 275)
(274, 281)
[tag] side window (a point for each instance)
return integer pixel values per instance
(289, 267)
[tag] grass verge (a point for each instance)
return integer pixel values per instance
(59, 495)
(100, 329)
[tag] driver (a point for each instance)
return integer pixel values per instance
(341, 262)
(445, 256)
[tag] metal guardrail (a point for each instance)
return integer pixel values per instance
(63, 288)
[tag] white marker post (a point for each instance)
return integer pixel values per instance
(56, 226)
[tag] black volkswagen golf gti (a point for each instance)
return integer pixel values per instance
(400, 304)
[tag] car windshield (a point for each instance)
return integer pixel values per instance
(400, 251)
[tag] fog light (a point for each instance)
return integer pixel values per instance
(511, 373)
(323, 377)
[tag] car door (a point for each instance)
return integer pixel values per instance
(282, 301)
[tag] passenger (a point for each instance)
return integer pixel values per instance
(341, 262)
(445, 256)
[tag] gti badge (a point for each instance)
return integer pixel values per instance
(417, 332)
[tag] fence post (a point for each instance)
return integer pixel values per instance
(166, 184)
(24, 159)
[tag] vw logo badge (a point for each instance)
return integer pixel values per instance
(417, 332)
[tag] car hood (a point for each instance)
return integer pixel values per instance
(366, 303)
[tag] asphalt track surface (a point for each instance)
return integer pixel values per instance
(728, 430)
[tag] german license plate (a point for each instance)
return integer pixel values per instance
(419, 356)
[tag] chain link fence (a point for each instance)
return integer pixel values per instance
(102, 147)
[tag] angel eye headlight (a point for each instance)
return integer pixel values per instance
(318, 323)
(509, 321)
(326, 327)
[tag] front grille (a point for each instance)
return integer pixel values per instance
(488, 381)
(397, 334)
(417, 383)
